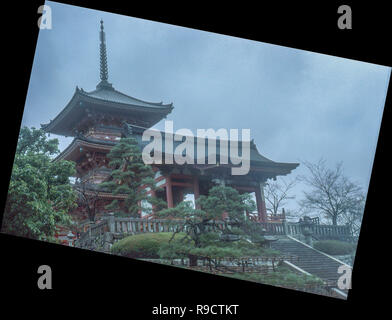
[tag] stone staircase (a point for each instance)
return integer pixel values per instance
(310, 260)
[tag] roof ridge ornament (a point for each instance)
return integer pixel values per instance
(104, 74)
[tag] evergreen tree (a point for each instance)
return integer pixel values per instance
(131, 177)
(203, 237)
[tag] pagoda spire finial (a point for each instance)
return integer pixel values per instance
(103, 60)
(103, 57)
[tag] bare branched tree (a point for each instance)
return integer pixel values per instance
(353, 216)
(88, 196)
(333, 195)
(277, 193)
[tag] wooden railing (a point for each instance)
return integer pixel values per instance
(139, 225)
(273, 228)
(98, 229)
(320, 231)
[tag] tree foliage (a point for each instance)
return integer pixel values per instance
(39, 194)
(130, 176)
(143, 245)
(203, 237)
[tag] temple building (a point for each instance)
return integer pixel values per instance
(98, 119)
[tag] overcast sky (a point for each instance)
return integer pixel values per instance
(298, 105)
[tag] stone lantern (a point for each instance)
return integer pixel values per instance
(70, 237)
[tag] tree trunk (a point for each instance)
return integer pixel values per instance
(192, 260)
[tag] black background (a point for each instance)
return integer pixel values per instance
(100, 282)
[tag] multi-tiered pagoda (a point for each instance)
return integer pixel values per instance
(99, 118)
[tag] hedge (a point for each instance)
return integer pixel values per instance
(334, 247)
(144, 245)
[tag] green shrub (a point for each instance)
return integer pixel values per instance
(144, 245)
(334, 247)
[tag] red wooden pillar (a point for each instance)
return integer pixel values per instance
(169, 192)
(261, 209)
(196, 190)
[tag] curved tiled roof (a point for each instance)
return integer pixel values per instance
(112, 95)
(105, 98)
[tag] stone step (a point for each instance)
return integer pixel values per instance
(309, 259)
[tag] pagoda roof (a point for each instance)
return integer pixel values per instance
(257, 161)
(105, 100)
(72, 152)
(255, 155)
(114, 96)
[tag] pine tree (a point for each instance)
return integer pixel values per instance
(201, 236)
(131, 177)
